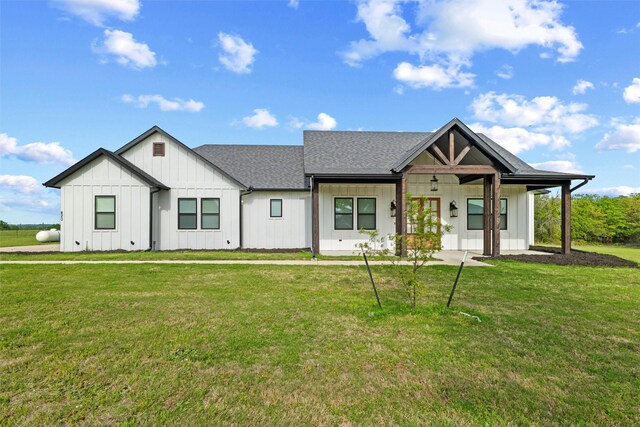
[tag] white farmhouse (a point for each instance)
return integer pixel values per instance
(155, 193)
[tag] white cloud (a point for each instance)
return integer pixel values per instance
(261, 119)
(546, 113)
(20, 183)
(567, 166)
(625, 136)
(631, 93)
(293, 3)
(628, 166)
(450, 32)
(581, 87)
(505, 72)
(128, 52)
(517, 140)
(434, 76)
(621, 190)
(238, 55)
(323, 122)
(29, 204)
(38, 152)
(175, 104)
(97, 11)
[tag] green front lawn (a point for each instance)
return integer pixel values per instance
(265, 345)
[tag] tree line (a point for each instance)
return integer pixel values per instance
(594, 219)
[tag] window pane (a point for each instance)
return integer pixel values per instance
(474, 206)
(276, 208)
(368, 222)
(105, 220)
(187, 206)
(344, 206)
(210, 221)
(344, 222)
(105, 204)
(503, 222)
(474, 222)
(367, 206)
(210, 206)
(503, 206)
(187, 221)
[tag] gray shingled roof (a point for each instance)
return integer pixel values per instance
(356, 153)
(260, 166)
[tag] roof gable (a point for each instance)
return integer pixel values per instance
(145, 177)
(157, 129)
(475, 140)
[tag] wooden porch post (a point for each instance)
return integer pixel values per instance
(566, 218)
(315, 226)
(496, 214)
(401, 217)
(486, 226)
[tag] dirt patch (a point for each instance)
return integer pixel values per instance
(576, 257)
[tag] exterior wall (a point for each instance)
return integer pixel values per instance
(346, 240)
(292, 231)
(515, 237)
(188, 176)
(104, 177)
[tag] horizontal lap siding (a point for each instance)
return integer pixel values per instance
(291, 231)
(188, 176)
(104, 177)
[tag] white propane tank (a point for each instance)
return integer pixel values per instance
(52, 235)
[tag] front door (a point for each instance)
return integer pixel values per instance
(432, 203)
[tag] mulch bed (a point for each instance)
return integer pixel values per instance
(575, 258)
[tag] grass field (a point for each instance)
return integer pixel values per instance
(627, 252)
(18, 238)
(257, 345)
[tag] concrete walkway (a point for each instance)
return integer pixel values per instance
(469, 262)
(445, 258)
(55, 247)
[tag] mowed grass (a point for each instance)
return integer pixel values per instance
(19, 238)
(297, 345)
(631, 253)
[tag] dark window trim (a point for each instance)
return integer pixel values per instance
(271, 215)
(503, 224)
(188, 214)
(374, 214)
(203, 214)
(95, 210)
(160, 152)
(335, 214)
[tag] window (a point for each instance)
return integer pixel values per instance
(343, 213)
(276, 208)
(366, 213)
(105, 212)
(210, 216)
(187, 214)
(158, 149)
(475, 214)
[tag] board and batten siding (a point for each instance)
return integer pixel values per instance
(515, 237)
(291, 231)
(346, 240)
(188, 176)
(104, 177)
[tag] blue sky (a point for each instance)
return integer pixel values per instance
(557, 83)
